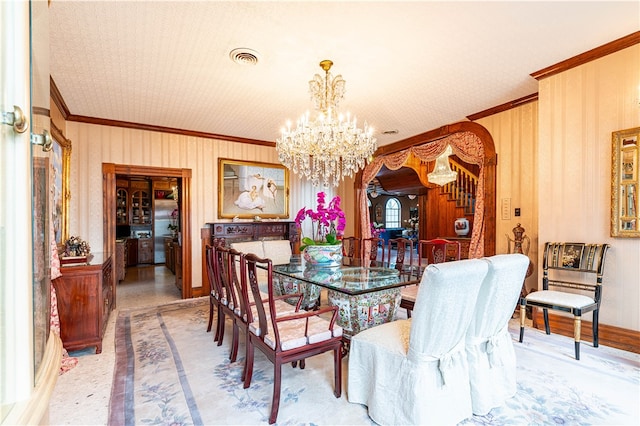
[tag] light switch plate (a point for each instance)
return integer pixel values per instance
(506, 208)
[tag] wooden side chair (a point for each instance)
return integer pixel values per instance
(404, 256)
(562, 261)
(215, 295)
(350, 250)
(229, 304)
(290, 337)
(437, 250)
(246, 311)
(369, 251)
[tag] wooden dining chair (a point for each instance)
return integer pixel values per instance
(215, 295)
(350, 250)
(229, 304)
(369, 248)
(246, 311)
(403, 261)
(290, 337)
(437, 250)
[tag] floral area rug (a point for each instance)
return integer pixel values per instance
(170, 371)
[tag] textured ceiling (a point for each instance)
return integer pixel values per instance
(408, 66)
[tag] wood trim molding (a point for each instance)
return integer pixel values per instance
(58, 99)
(110, 170)
(504, 107)
(608, 335)
(591, 55)
(154, 128)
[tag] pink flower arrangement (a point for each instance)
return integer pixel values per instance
(328, 222)
(376, 229)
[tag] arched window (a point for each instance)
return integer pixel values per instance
(392, 213)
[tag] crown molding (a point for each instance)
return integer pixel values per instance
(591, 55)
(504, 107)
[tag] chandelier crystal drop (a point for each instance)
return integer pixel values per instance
(330, 146)
(442, 173)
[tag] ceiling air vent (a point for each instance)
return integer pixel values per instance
(244, 56)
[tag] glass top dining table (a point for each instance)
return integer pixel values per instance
(348, 280)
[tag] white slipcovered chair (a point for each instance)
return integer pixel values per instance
(490, 353)
(415, 371)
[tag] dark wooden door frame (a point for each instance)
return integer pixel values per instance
(109, 172)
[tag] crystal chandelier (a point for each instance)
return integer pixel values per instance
(442, 173)
(331, 146)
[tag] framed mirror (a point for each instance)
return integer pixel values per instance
(625, 203)
(60, 166)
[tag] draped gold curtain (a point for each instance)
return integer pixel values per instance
(467, 146)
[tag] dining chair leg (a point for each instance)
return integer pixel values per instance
(337, 372)
(523, 316)
(210, 314)
(220, 332)
(545, 314)
(248, 365)
(595, 328)
(246, 356)
(577, 329)
(275, 401)
(234, 343)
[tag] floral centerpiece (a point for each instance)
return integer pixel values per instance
(76, 247)
(376, 229)
(324, 246)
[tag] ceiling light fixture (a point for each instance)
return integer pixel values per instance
(412, 196)
(374, 193)
(331, 146)
(442, 173)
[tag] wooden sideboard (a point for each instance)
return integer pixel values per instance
(85, 300)
(225, 233)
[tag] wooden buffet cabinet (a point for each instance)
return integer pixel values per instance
(85, 300)
(225, 233)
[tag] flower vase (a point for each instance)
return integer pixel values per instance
(461, 226)
(323, 256)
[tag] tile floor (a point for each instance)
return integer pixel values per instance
(81, 396)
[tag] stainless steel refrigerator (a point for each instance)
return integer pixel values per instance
(161, 220)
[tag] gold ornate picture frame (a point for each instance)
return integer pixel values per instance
(625, 200)
(60, 166)
(249, 189)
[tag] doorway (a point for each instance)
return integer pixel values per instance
(183, 177)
